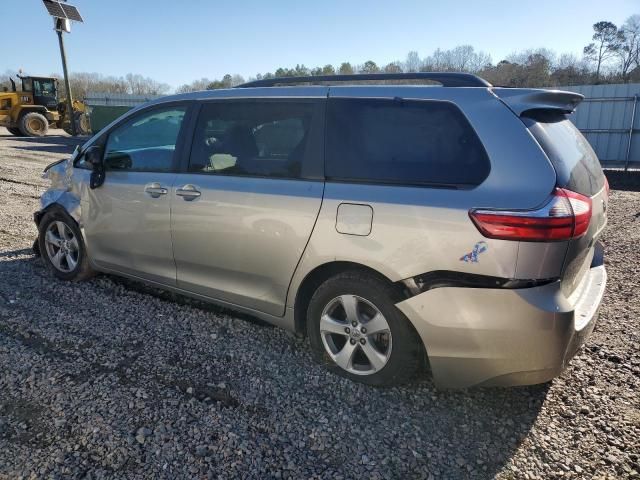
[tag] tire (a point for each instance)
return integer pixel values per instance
(14, 131)
(397, 344)
(33, 124)
(72, 263)
(83, 124)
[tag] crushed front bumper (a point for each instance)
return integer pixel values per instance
(478, 336)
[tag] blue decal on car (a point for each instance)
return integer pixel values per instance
(472, 257)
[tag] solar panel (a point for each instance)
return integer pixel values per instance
(72, 12)
(62, 10)
(54, 9)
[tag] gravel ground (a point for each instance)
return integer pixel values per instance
(109, 379)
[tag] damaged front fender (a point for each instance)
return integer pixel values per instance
(62, 192)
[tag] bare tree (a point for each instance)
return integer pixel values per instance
(605, 45)
(629, 51)
(479, 61)
(438, 61)
(237, 80)
(194, 86)
(460, 57)
(139, 85)
(464, 58)
(413, 62)
(568, 69)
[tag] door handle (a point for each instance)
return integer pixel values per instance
(188, 192)
(155, 190)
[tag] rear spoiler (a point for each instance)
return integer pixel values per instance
(521, 100)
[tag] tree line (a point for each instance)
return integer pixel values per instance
(612, 56)
(83, 83)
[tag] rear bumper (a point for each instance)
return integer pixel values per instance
(477, 336)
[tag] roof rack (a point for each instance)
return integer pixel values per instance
(446, 79)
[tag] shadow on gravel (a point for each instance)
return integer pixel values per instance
(49, 148)
(169, 296)
(16, 253)
(620, 180)
(51, 144)
(50, 139)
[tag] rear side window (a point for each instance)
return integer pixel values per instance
(402, 142)
(575, 162)
(265, 139)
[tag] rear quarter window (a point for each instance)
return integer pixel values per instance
(406, 142)
(576, 164)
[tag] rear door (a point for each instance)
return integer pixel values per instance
(578, 169)
(243, 212)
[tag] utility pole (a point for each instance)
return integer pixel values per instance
(63, 14)
(60, 27)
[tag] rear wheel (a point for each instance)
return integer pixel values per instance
(14, 131)
(62, 247)
(356, 330)
(83, 125)
(34, 124)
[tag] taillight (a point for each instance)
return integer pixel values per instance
(565, 216)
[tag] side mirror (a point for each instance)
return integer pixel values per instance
(93, 156)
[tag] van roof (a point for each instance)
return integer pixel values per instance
(519, 100)
(446, 79)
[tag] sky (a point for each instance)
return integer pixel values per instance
(177, 41)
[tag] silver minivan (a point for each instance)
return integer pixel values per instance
(453, 226)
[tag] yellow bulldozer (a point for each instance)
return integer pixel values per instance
(31, 111)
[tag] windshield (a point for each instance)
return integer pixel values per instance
(44, 87)
(27, 84)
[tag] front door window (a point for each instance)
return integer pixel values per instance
(146, 143)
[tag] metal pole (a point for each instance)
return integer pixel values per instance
(633, 121)
(67, 84)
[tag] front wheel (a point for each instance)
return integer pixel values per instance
(62, 247)
(356, 330)
(34, 124)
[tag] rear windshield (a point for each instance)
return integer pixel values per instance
(576, 164)
(403, 142)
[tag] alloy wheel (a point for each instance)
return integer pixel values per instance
(355, 334)
(62, 246)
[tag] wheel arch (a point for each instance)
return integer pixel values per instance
(38, 216)
(21, 112)
(66, 202)
(314, 278)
